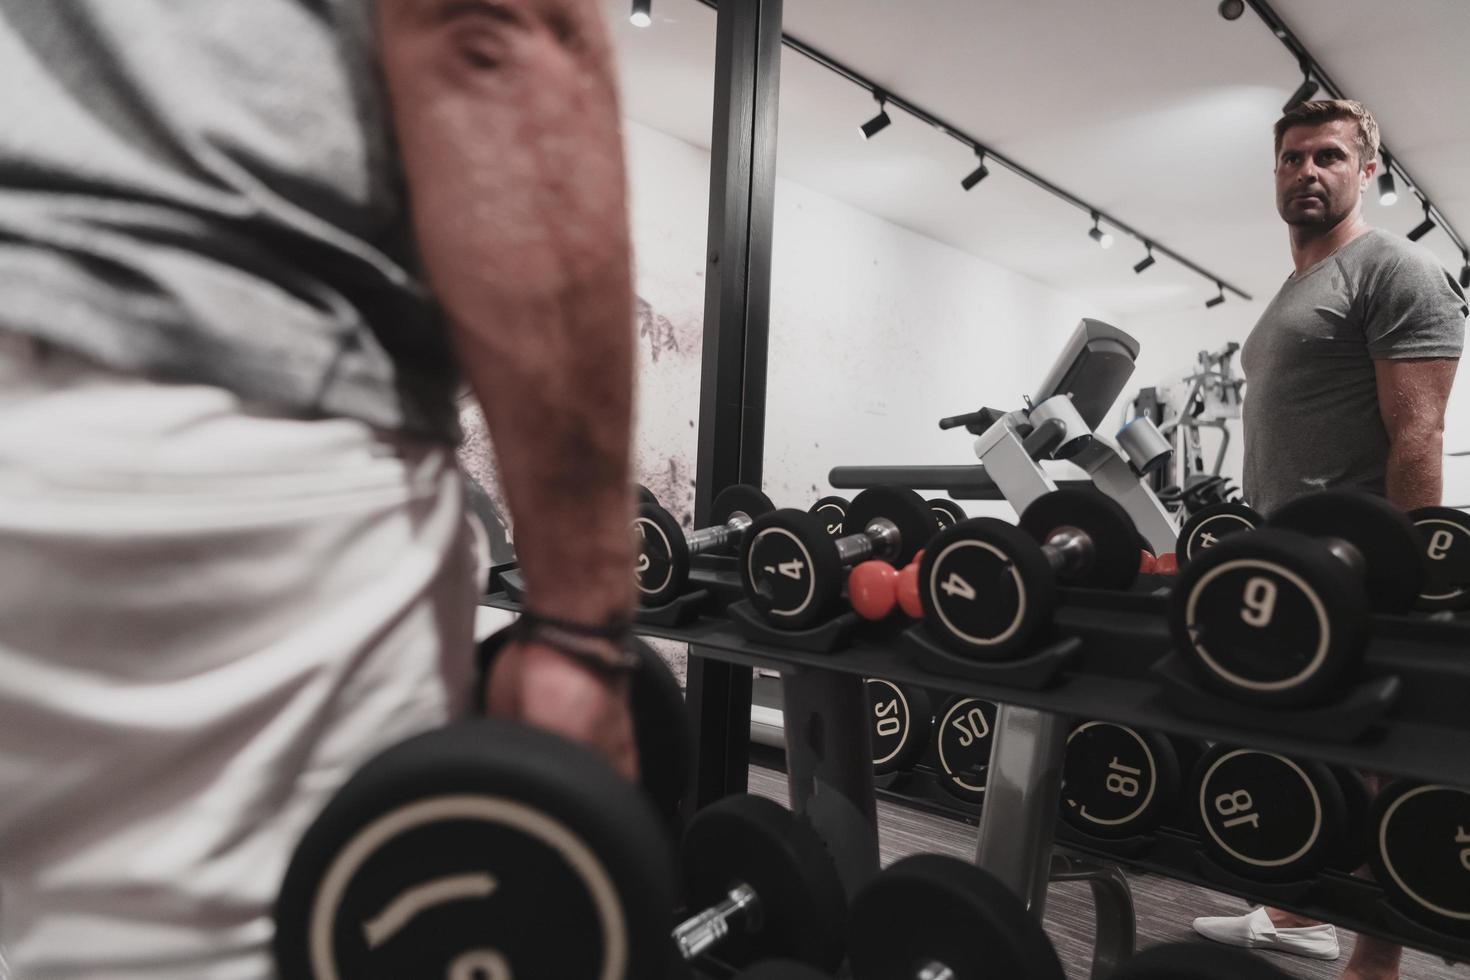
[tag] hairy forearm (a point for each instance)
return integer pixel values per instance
(508, 126)
(1416, 471)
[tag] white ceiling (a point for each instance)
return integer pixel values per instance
(1157, 111)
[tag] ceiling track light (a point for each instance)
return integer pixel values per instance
(1148, 259)
(1388, 194)
(1424, 227)
(1465, 272)
(1232, 9)
(1103, 239)
(879, 122)
(1304, 91)
(1216, 300)
(642, 14)
(974, 177)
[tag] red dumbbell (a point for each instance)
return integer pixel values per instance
(908, 589)
(1167, 564)
(872, 589)
(1147, 563)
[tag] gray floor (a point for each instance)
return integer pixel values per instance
(1164, 906)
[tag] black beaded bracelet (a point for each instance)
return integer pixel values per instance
(605, 648)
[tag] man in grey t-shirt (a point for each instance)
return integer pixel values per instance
(1351, 364)
(1348, 372)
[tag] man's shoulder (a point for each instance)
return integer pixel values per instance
(1380, 251)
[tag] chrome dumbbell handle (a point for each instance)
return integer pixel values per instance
(709, 538)
(697, 935)
(880, 539)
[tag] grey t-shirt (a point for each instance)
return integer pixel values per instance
(207, 191)
(1311, 412)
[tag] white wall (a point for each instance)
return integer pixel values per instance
(876, 333)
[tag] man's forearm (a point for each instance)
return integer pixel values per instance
(1416, 472)
(508, 127)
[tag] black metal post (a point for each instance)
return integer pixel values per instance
(732, 403)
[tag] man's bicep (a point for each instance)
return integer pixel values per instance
(1412, 393)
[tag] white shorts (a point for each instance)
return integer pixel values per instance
(209, 618)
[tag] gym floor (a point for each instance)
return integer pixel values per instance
(1164, 906)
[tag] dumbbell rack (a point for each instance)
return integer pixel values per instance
(1111, 660)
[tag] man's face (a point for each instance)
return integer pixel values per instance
(1319, 180)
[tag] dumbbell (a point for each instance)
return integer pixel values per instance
(902, 718)
(485, 849)
(1279, 616)
(765, 884)
(1119, 781)
(665, 548)
(1420, 853)
(1191, 961)
(645, 495)
(1209, 526)
(1267, 817)
(988, 588)
(932, 917)
(1446, 536)
(832, 511)
(947, 513)
(963, 731)
(875, 588)
(793, 571)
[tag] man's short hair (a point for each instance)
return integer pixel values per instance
(1330, 110)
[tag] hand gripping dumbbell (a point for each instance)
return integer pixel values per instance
(793, 572)
(1280, 615)
(765, 884)
(665, 548)
(988, 588)
(1446, 536)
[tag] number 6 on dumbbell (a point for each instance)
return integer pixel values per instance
(664, 548)
(793, 571)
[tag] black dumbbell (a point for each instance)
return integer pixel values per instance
(963, 732)
(1191, 961)
(665, 548)
(932, 917)
(1420, 853)
(1206, 528)
(793, 571)
(832, 511)
(1118, 781)
(902, 717)
(1445, 533)
(661, 726)
(989, 589)
(484, 849)
(947, 513)
(765, 886)
(1266, 817)
(1280, 615)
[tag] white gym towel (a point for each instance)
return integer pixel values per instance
(208, 619)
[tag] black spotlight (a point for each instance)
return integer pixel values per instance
(1215, 301)
(879, 122)
(1424, 227)
(978, 174)
(1304, 91)
(1147, 260)
(1388, 194)
(1232, 9)
(1465, 272)
(1102, 238)
(642, 15)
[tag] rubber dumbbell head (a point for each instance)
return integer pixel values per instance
(832, 511)
(1118, 781)
(1369, 535)
(902, 718)
(1087, 537)
(764, 884)
(485, 846)
(963, 731)
(793, 571)
(1209, 526)
(872, 589)
(1266, 817)
(1445, 536)
(947, 513)
(1420, 853)
(932, 917)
